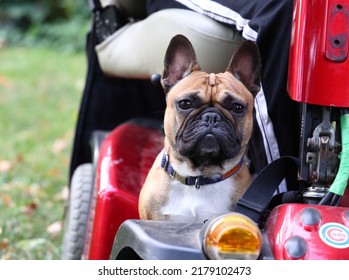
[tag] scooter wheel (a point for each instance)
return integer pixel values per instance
(77, 211)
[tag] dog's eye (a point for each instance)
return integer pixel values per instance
(237, 108)
(185, 104)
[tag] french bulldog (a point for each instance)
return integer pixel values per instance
(201, 172)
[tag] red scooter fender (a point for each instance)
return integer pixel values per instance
(125, 157)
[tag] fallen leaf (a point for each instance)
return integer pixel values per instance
(19, 158)
(6, 199)
(5, 166)
(54, 172)
(5, 82)
(63, 194)
(54, 229)
(7, 256)
(30, 208)
(59, 145)
(4, 244)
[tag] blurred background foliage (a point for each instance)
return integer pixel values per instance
(42, 74)
(48, 23)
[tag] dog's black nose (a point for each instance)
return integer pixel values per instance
(211, 117)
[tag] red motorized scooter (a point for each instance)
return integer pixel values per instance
(311, 223)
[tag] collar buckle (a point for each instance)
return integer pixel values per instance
(166, 162)
(197, 185)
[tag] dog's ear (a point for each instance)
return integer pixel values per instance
(245, 65)
(180, 61)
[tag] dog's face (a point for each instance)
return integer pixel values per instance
(208, 119)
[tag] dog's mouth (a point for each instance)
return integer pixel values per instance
(209, 144)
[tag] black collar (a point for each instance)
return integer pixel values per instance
(197, 181)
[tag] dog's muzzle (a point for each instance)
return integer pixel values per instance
(209, 138)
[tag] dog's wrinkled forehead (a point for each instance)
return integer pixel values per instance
(212, 79)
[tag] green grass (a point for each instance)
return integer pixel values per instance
(40, 91)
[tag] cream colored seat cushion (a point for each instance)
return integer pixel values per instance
(137, 50)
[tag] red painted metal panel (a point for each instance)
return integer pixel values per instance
(313, 232)
(125, 159)
(319, 63)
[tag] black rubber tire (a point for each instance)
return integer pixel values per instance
(77, 211)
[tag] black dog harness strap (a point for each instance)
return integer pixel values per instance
(259, 194)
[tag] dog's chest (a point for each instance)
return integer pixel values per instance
(188, 204)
